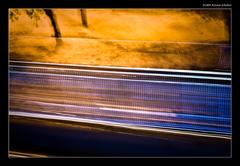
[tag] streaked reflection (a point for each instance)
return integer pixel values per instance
(195, 103)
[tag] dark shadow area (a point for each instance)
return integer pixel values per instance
(77, 141)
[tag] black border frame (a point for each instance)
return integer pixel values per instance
(108, 4)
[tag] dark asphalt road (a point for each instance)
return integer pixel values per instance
(63, 138)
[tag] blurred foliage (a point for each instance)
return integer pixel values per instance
(14, 14)
(211, 14)
(34, 14)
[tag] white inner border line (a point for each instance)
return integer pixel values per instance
(167, 8)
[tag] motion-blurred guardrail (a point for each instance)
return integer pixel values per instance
(179, 101)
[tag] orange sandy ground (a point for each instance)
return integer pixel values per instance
(130, 38)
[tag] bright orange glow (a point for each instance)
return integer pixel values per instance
(135, 27)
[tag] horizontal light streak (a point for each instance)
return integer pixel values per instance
(118, 79)
(83, 104)
(25, 155)
(110, 109)
(126, 73)
(144, 116)
(116, 124)
(143, 69)
(189, 114)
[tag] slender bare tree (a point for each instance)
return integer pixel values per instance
(35, 14)
(84, 17)
(54, 23)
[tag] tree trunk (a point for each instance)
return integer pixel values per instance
(84, 17)
(54, 23)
